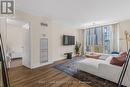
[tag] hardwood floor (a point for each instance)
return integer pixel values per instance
(16, 62)
(45, 76)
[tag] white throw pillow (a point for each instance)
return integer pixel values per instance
(109, 59)
(115, 55)
(104, 56)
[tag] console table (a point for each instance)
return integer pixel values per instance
(69, 55)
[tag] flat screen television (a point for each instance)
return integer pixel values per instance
(68, 40)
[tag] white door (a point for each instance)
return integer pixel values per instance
(26, 61)
(43, 50)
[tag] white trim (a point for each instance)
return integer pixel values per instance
(84, 41)
(118, 38)
(59, 59)
(33, 67)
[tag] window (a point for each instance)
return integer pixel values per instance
(98, 39)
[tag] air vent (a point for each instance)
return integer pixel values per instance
(44, 24)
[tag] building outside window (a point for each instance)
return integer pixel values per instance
(99, 39)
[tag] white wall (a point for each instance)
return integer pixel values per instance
(35, 35)
(3, 31)
(53, 32)
(123, 26)
(119, 39)
(58, 30)
(15, 40)
(18, 43)
(81, 39)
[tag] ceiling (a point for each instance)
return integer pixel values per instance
(78, 12)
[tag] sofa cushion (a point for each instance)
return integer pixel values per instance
(108, 59)
(101, 68)
(110, 72)
(119, 61)
(89, 65)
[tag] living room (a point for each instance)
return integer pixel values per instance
(82, 43)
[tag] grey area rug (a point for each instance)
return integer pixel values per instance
(92, 80)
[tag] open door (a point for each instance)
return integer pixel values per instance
(26, 48)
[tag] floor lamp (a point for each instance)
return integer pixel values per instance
(126, 62)
(127, 39)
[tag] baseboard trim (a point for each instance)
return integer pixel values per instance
(40, 65)
(16, 58)
(59, 59)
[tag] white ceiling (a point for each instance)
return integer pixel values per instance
(78, 12)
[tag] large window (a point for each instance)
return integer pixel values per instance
(99, 39)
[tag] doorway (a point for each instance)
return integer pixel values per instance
(18, 43)
(43, 50)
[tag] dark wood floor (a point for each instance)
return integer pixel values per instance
(45, 76)
(16, 62)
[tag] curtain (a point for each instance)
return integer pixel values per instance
(99, 39)
(115, 34)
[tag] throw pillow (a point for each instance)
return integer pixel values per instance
(119, 61)
(123, 54)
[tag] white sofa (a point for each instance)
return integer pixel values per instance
(103, 69)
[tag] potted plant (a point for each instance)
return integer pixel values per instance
(77, 48)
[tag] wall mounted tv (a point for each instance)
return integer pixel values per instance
(68, 40)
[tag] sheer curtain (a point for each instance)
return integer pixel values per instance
(99, 39)
(115, 39)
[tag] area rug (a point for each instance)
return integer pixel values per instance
(92, 80)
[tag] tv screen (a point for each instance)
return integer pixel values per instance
(68, 40)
